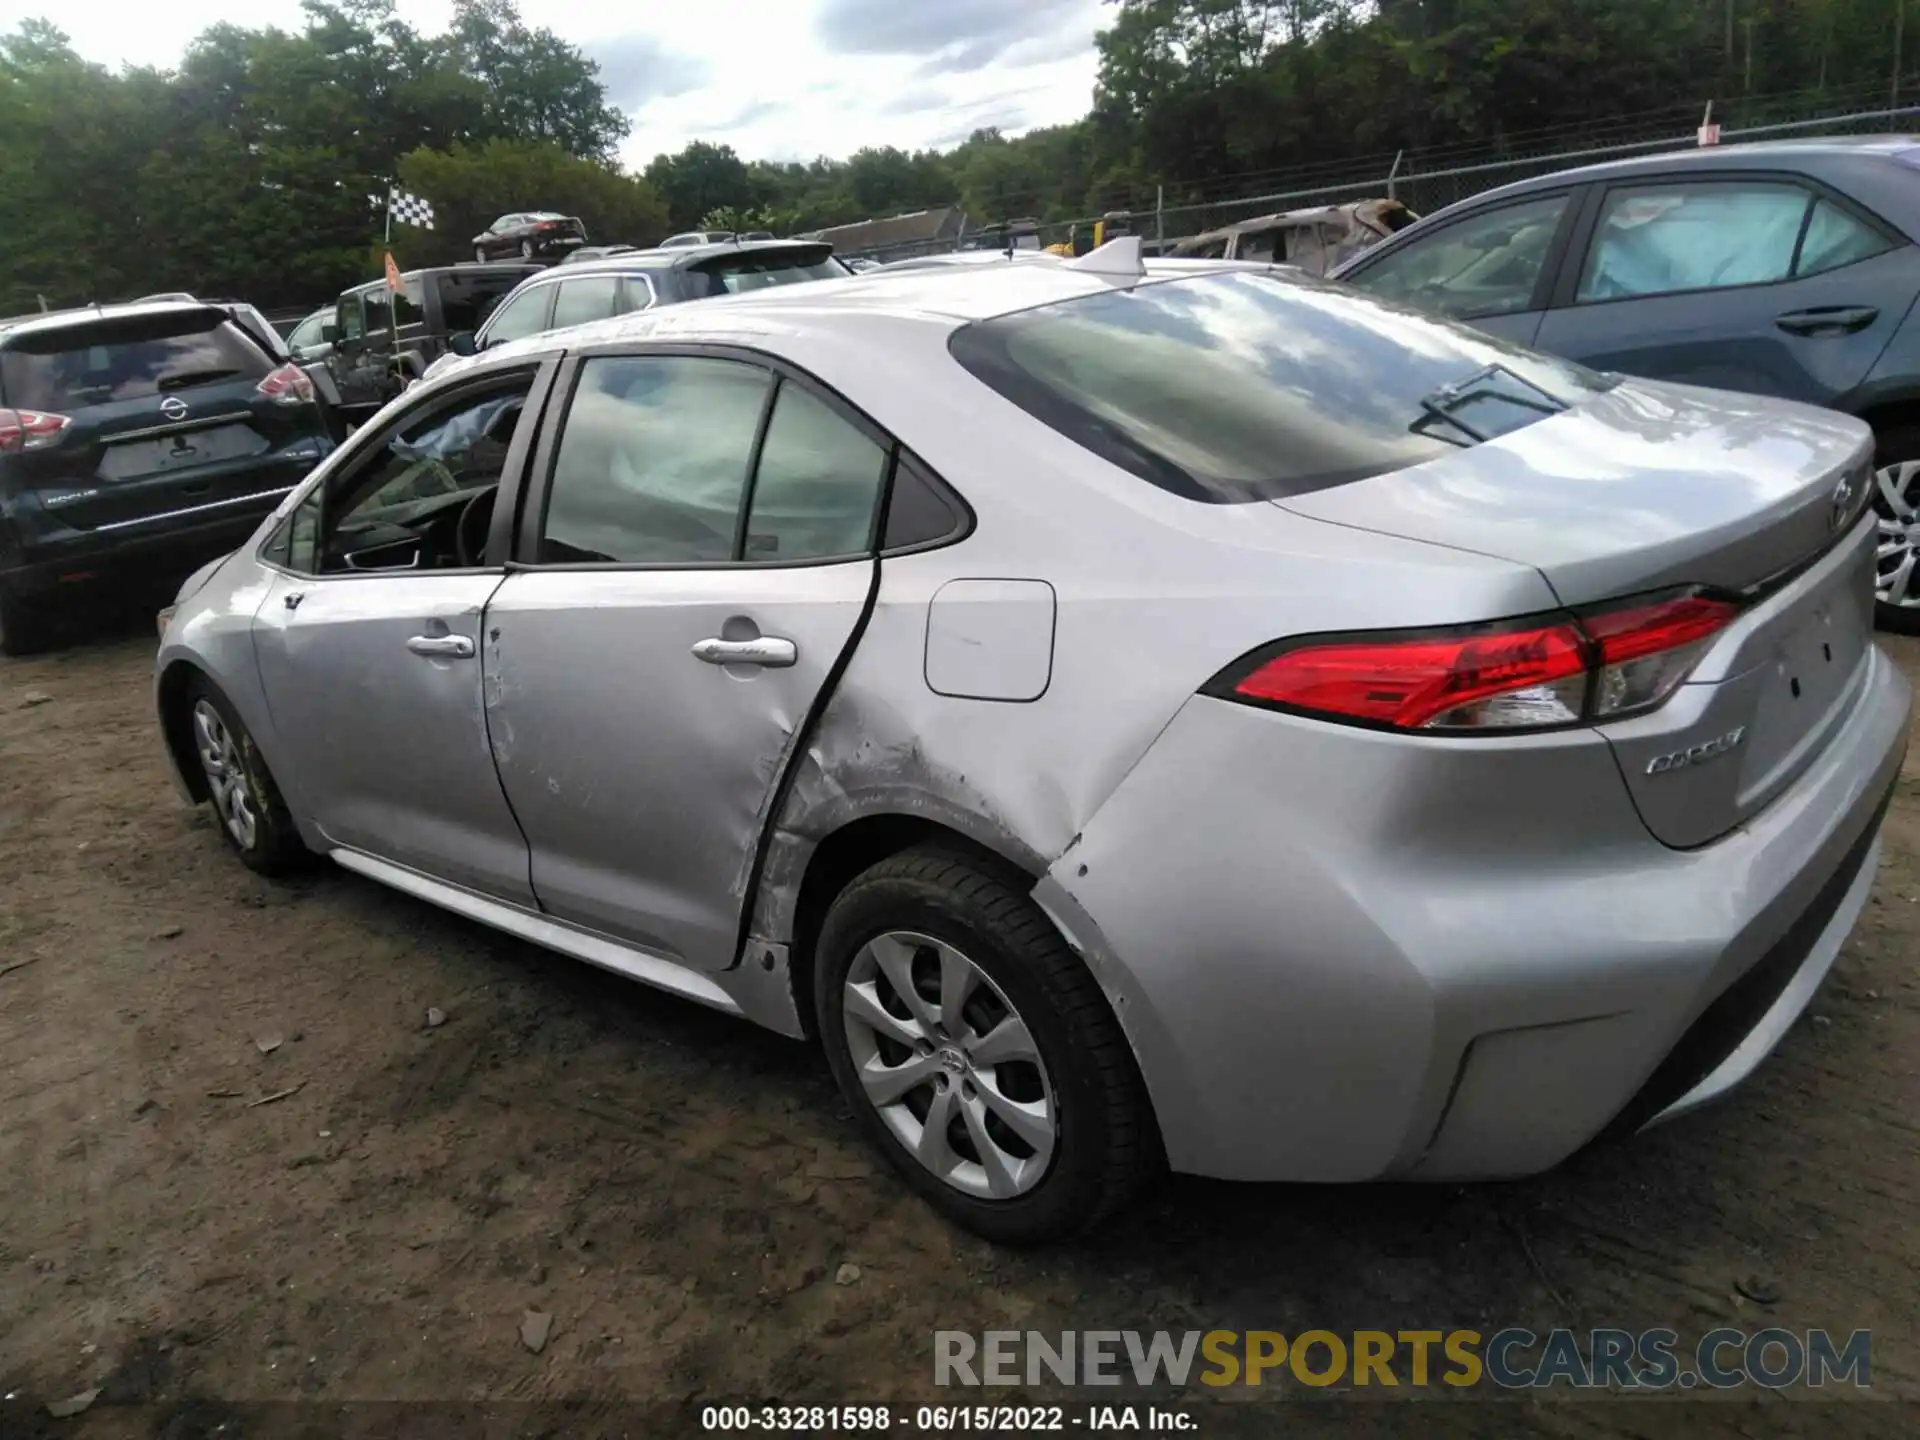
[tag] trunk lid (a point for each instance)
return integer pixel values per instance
(1646, 487)
(1638, 487)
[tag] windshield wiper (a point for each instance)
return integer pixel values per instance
(185, 378)
(1441, 405)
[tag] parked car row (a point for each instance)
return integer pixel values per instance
(1128, 712)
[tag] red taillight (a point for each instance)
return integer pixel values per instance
(289, 385)
(30, 429)
(1563, 670)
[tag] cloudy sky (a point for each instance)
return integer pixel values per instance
(775, 79)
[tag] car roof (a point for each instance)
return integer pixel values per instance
(681, 257)
(27, 325)
(947, 296)
(1805, 153)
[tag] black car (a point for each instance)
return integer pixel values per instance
(137, 442)
(529, 234)
(381, 339)
(575, 294)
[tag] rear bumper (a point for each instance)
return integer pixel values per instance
(165, 549)
(1343, 956)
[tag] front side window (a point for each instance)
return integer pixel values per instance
(309, 332)
(1714, 235)
(525, 314)
(579, 301)
(1250, 385)
(652, 462)
(402, 506)
(1486, 264)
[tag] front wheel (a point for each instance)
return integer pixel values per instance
(526, 249)
(253, 818)
(977, 1050)
(479, 255)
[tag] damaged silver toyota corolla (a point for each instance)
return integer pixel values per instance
(1132, 714)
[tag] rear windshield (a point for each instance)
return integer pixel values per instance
(1244, 385)
(731, 274)
(113, 360)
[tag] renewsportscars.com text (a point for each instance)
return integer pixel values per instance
(1512, 1358)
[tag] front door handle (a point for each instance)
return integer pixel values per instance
(1828, 320)
(768, 650)
(451, 647)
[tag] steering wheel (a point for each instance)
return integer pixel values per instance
(470, 530)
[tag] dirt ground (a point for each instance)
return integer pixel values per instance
(681, 1192)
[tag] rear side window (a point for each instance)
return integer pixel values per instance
(1658, 239)
(817, 486)
(733, 274)
(594, 298)
(1253, 386)
(114, 360)
(652, 463)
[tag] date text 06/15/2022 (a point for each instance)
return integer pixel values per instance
(944, 1419)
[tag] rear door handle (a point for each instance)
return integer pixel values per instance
(452, 647)
(1828, 320)
(768, 650)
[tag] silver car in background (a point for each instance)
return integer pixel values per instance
(1131, 713)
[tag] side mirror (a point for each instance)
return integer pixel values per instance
(461, 342)
(330, 333)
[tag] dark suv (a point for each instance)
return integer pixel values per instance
(382, 339)
(137, 442)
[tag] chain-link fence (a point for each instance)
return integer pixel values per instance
(1424, 183)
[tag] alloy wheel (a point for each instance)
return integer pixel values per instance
(1897, 503)
(226, 774)
(949, 1065)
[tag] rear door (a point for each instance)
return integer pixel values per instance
(165, 416)
(1764, 283)
(1493, 267)
(699, 561)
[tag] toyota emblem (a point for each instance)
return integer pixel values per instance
(1845, 496)
(174, 408)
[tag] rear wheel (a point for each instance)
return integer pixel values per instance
(22, 631)
(1896, 501)
(253, 818)
(977, 1050)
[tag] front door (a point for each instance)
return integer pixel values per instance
(371, 647)
(1759, 284)
(688, 591)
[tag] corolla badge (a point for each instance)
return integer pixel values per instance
(174, 408)
(1697, 754)
(1846, 495)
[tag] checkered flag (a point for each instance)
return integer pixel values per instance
(409, 209)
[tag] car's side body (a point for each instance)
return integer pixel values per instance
(1449, 985)
(529, 235)
(1766, 336)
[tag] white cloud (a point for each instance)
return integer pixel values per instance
(775, 79)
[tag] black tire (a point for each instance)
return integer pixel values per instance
(22, 630)
(275, 847)
(526, 249)
(1105, 1146)
(479, 255)
(1891, 446)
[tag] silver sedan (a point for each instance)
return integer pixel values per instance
(1131, 714)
